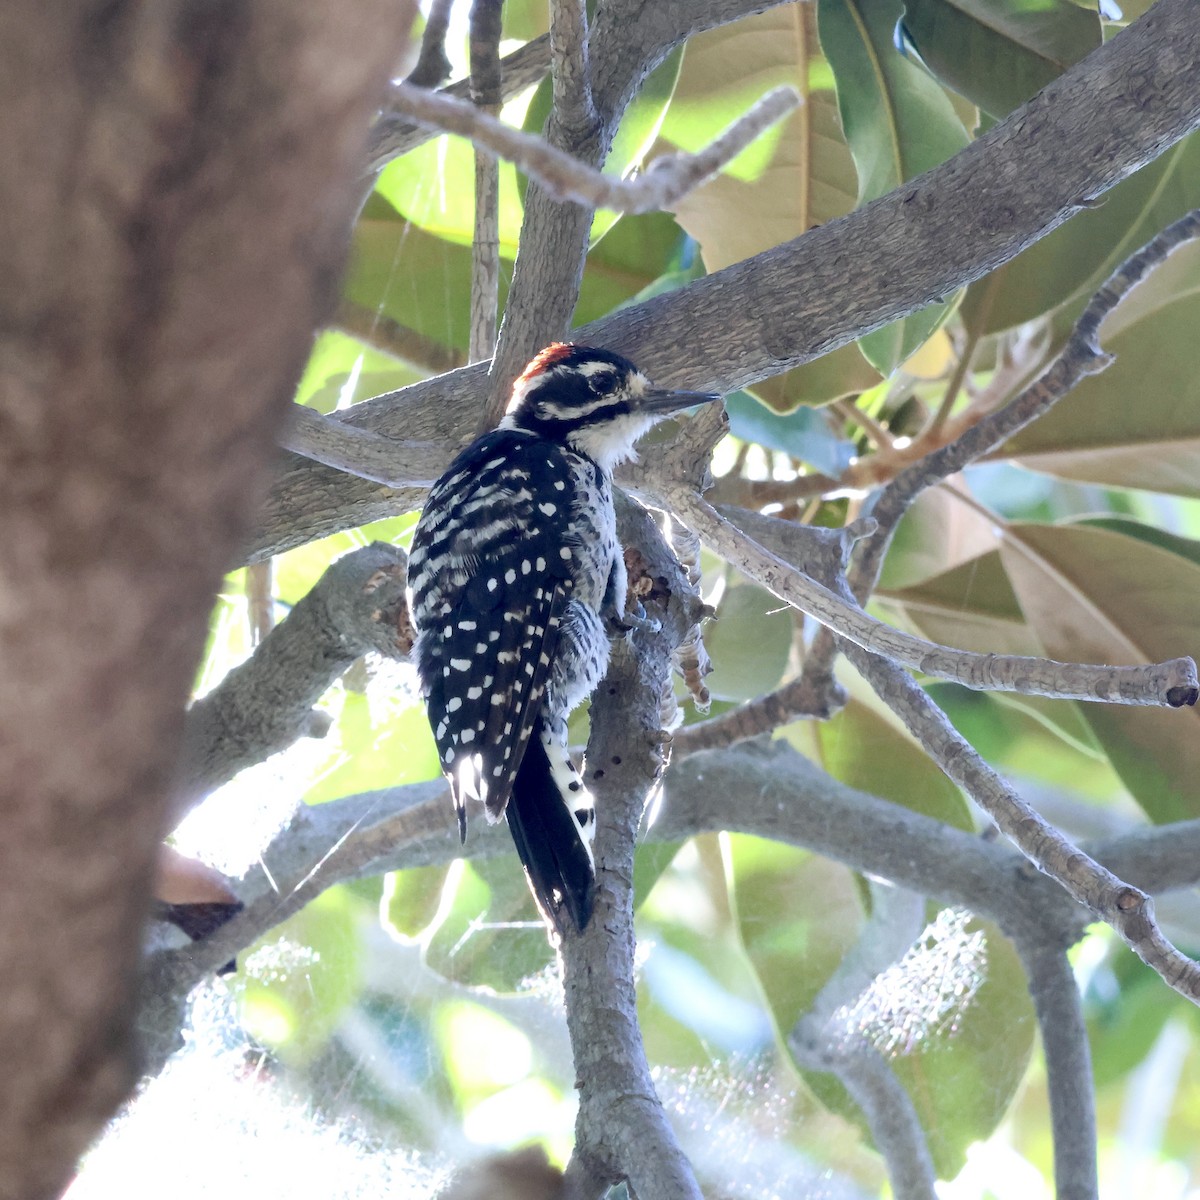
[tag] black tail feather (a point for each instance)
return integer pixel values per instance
(556, 860)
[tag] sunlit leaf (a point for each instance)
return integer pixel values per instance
(342, 370)
(411, 899)
(482, 1051)
(963, 1080)
(301, 981)
(374, 754)
(1095, 596)
(633, 255)
(492, 935)
(797, 915)
(898, 124)
(998, 53)
(416, 279)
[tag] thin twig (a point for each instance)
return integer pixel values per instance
(1172, 683)
(665, 181)
(433, 66)
(394, 134)
(1080, 357)
(485, 245)
(1127, 909)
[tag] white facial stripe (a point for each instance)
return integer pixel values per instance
(572, 412)
(590, 369)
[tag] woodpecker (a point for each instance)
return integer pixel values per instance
(515, 577)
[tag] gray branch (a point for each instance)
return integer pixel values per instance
(266, 703)
(1117, 109)
(1173, 683)
(1068, 1066)
(622, 1131)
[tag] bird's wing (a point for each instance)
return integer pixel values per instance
(488, 587)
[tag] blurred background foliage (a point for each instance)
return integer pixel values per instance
(426, 1002)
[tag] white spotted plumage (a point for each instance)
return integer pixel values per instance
(515, 563)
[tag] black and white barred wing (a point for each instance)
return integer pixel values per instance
(488, 587)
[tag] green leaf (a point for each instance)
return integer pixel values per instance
(998, 53)
(342, 370)
(1188, 548)
(1033, 738)
(433, 186)
(797, 913)
(302, 980)
(411, 900)
(416, 279)
(962, 1081)
(1095, 596)
(492, 935)
(748, 643)
(898, 124)
(638, 251)
(1137, 424)
(374, 752)
(804, 434)
(1075, 259)
(865, 751)
(650, 860)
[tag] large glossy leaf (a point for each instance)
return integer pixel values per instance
(938, 533)
(372, 753)
(433, 186)
(1077, 256)
(400, 271)
(748, 643)
(1092, 595)
(804, 434)
(637, 252)
(971, 606)
(411, 899)
(898, 123)
(998, 53)
(797, 913)
(797, 175)
(1136, 424)
(864, 750)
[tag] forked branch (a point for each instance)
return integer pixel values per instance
(664, 182)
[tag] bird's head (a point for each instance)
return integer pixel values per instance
(592, 400)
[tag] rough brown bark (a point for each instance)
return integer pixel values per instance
(173, 208)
